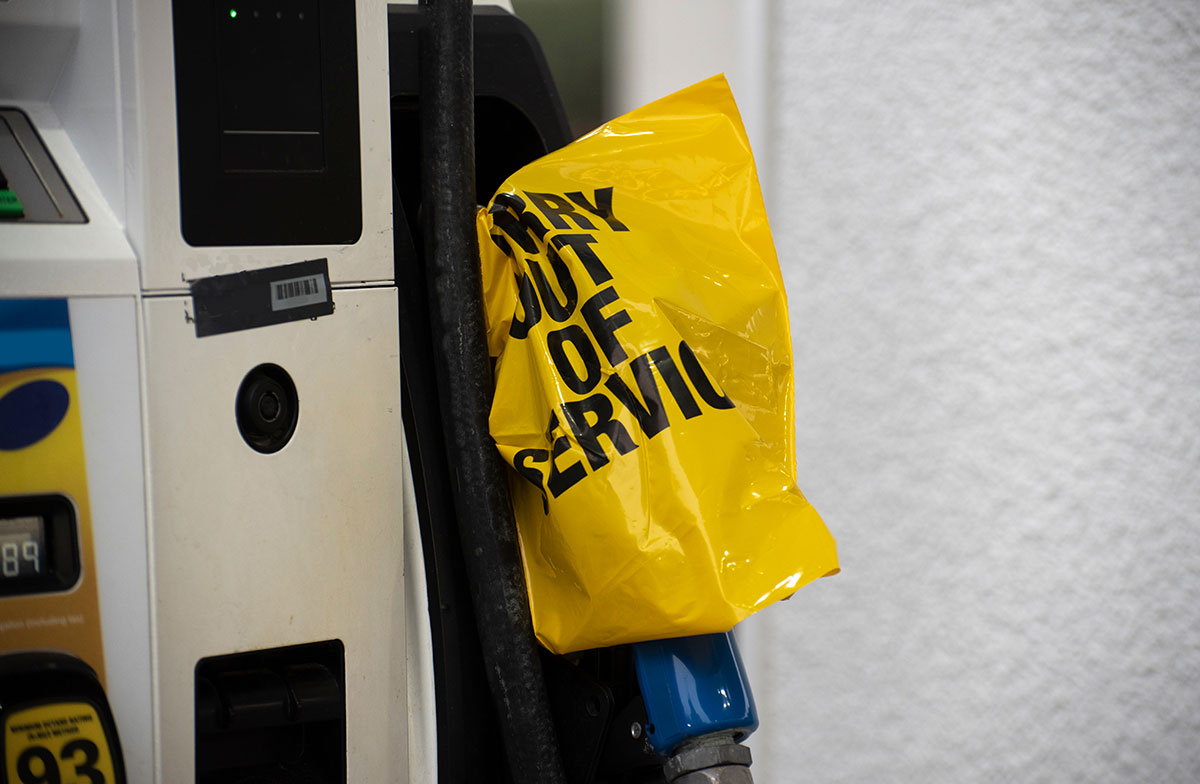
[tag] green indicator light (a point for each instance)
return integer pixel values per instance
(10, 205)
(233, 13)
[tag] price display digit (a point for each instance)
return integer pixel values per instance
(21, 542)
(10, 566)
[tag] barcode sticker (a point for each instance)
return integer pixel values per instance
(258, 298)
(297, 292)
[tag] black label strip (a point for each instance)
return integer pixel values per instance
(259, 298)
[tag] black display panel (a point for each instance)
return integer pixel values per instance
(269, 88)
(267, 109)
(39, 545)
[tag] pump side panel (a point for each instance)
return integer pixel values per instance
(254, 551)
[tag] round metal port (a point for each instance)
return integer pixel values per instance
(267, 408)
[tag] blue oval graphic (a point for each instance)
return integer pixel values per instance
(30, 412)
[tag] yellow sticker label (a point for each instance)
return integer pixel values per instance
(55, 465)
(59, 743)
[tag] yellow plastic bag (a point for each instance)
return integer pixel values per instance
(644, 380)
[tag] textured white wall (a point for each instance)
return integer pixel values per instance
(989, 221)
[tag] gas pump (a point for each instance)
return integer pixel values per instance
(213, 218)
(199, 462)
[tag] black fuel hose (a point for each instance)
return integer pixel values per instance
(464, 380)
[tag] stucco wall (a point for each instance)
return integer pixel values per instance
(988, 216)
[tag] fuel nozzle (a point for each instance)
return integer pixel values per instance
(698, 707)
(710, 759)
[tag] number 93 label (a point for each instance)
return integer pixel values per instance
(59, 743)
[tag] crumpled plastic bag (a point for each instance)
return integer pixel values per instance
(643, 380)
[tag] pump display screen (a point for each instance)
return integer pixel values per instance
(22, 546)
(39, 545)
